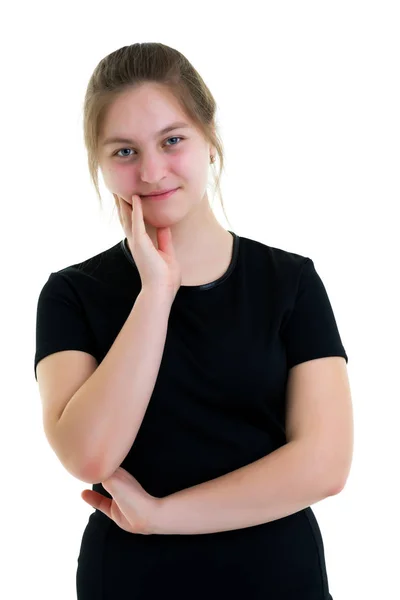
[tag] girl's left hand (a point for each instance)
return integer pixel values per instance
(131, 507)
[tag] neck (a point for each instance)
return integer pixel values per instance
(196, 238)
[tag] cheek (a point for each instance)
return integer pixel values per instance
(180, 163)
(119, 177)
(116, 171)
(122, 177)
(186, 170)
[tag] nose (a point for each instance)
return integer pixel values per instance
(152, 168)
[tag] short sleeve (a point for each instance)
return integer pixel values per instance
(311, 330)
(60, 320)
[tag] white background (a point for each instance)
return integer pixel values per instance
(308, 106)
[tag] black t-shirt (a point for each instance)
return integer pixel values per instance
(218, 404)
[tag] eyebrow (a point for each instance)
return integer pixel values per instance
(121, 140)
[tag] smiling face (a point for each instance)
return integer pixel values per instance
(149, 160)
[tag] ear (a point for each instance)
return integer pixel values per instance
(213, 150)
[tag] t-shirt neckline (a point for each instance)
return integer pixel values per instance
(204, 286)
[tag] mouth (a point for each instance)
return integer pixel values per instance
(160, 196)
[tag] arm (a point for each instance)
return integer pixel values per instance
(99, 424)
(275, 486)
(314, 464)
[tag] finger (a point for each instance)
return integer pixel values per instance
(98, 501)
(138, 226)
(126, 210)
(121, 207)
(164, 240)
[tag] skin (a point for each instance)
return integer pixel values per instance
(180, 158)
(131, 507)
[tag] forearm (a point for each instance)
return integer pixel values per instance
(100, 422)
(275, 486)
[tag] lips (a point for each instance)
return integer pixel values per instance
(160, 196)
(159, 193)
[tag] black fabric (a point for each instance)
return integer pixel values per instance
(217, 405)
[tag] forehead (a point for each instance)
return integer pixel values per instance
(142, 112)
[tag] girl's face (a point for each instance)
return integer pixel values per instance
(148, 159)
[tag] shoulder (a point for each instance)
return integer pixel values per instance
(272, 261)
(106, 267)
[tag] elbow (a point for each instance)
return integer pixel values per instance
(329, 479)
(336, 483)
(84, 468)
(93, 472)
(335, 489)
(76, 461)
(342, 473)
(88, 473)
(332, 467)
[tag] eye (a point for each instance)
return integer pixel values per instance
(174, 138)
(126, 156)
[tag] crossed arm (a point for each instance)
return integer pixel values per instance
(312, 465)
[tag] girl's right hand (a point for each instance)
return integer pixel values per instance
(158, 268)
